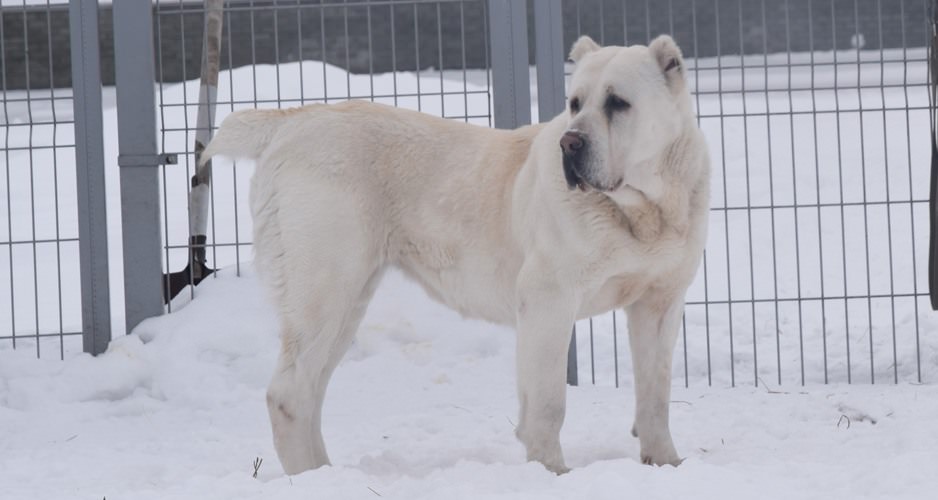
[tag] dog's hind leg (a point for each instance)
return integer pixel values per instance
(325, 291)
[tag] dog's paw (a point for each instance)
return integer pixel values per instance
(552, 461)
(662, 459)
(556, 468)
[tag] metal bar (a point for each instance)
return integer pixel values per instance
(43, 335)
(625, 23)
(41, 240)
(371, 55)
(462, 46)
(417, 56)
(274, 6)
(254, 54)
(147, 160)
(684, 342)
(348, 55)
(394, 55)
(615, 350)
(39, 122)
(89, 157)
(322, 45)
(207, 245)
(752, 283)
(592, 355)
(602, 15)
(50, 98)
(55, 183)
(866, 218)
(892, 278)
(768, 129)
(840, 173)
(726, 221)
(908, 142)
(321, 99)
(794, 183)
(748, 114)
(508, 43)
(817, 180)
(706, 283)
(32, 176)
(439, 53)
(549, 57)
(188, 184)
(827, 298)
(488, 61)
(9, 192)
(299, 52)
(234, 165)
(276, 29)
(162, 100)
(647, 20)
(136, 112)
(572, 375)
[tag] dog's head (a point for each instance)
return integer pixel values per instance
(625, 106)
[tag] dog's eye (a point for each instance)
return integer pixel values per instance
(616, 103)
(575, 105)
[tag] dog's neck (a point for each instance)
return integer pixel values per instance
(652, 215)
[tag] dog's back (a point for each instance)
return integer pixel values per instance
(431, 194)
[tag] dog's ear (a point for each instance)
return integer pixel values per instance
(584, 45)
(668, 55)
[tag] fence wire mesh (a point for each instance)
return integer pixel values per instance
(40, 295)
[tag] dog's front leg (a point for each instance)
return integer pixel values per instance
(653, 327)
(546, 312)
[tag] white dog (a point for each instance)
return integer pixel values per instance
(603, 207)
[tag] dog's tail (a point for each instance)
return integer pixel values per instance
(243, 134)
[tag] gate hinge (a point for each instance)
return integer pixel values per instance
(147, 160)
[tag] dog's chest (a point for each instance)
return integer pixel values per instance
(616, 292)
(626, 274)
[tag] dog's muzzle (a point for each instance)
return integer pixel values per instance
(573, 146)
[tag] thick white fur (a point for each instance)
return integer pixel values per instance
(484, 220)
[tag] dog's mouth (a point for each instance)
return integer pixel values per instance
(575, 180)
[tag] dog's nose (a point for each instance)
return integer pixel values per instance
(571, 142)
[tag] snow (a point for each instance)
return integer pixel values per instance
(424, 405)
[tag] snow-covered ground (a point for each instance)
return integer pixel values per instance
(423, 406)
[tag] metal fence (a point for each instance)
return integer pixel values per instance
(816, 113)
(55, 283)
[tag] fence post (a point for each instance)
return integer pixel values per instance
(89, 164)
(549, 58)
(508, 44)
(138, 160)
